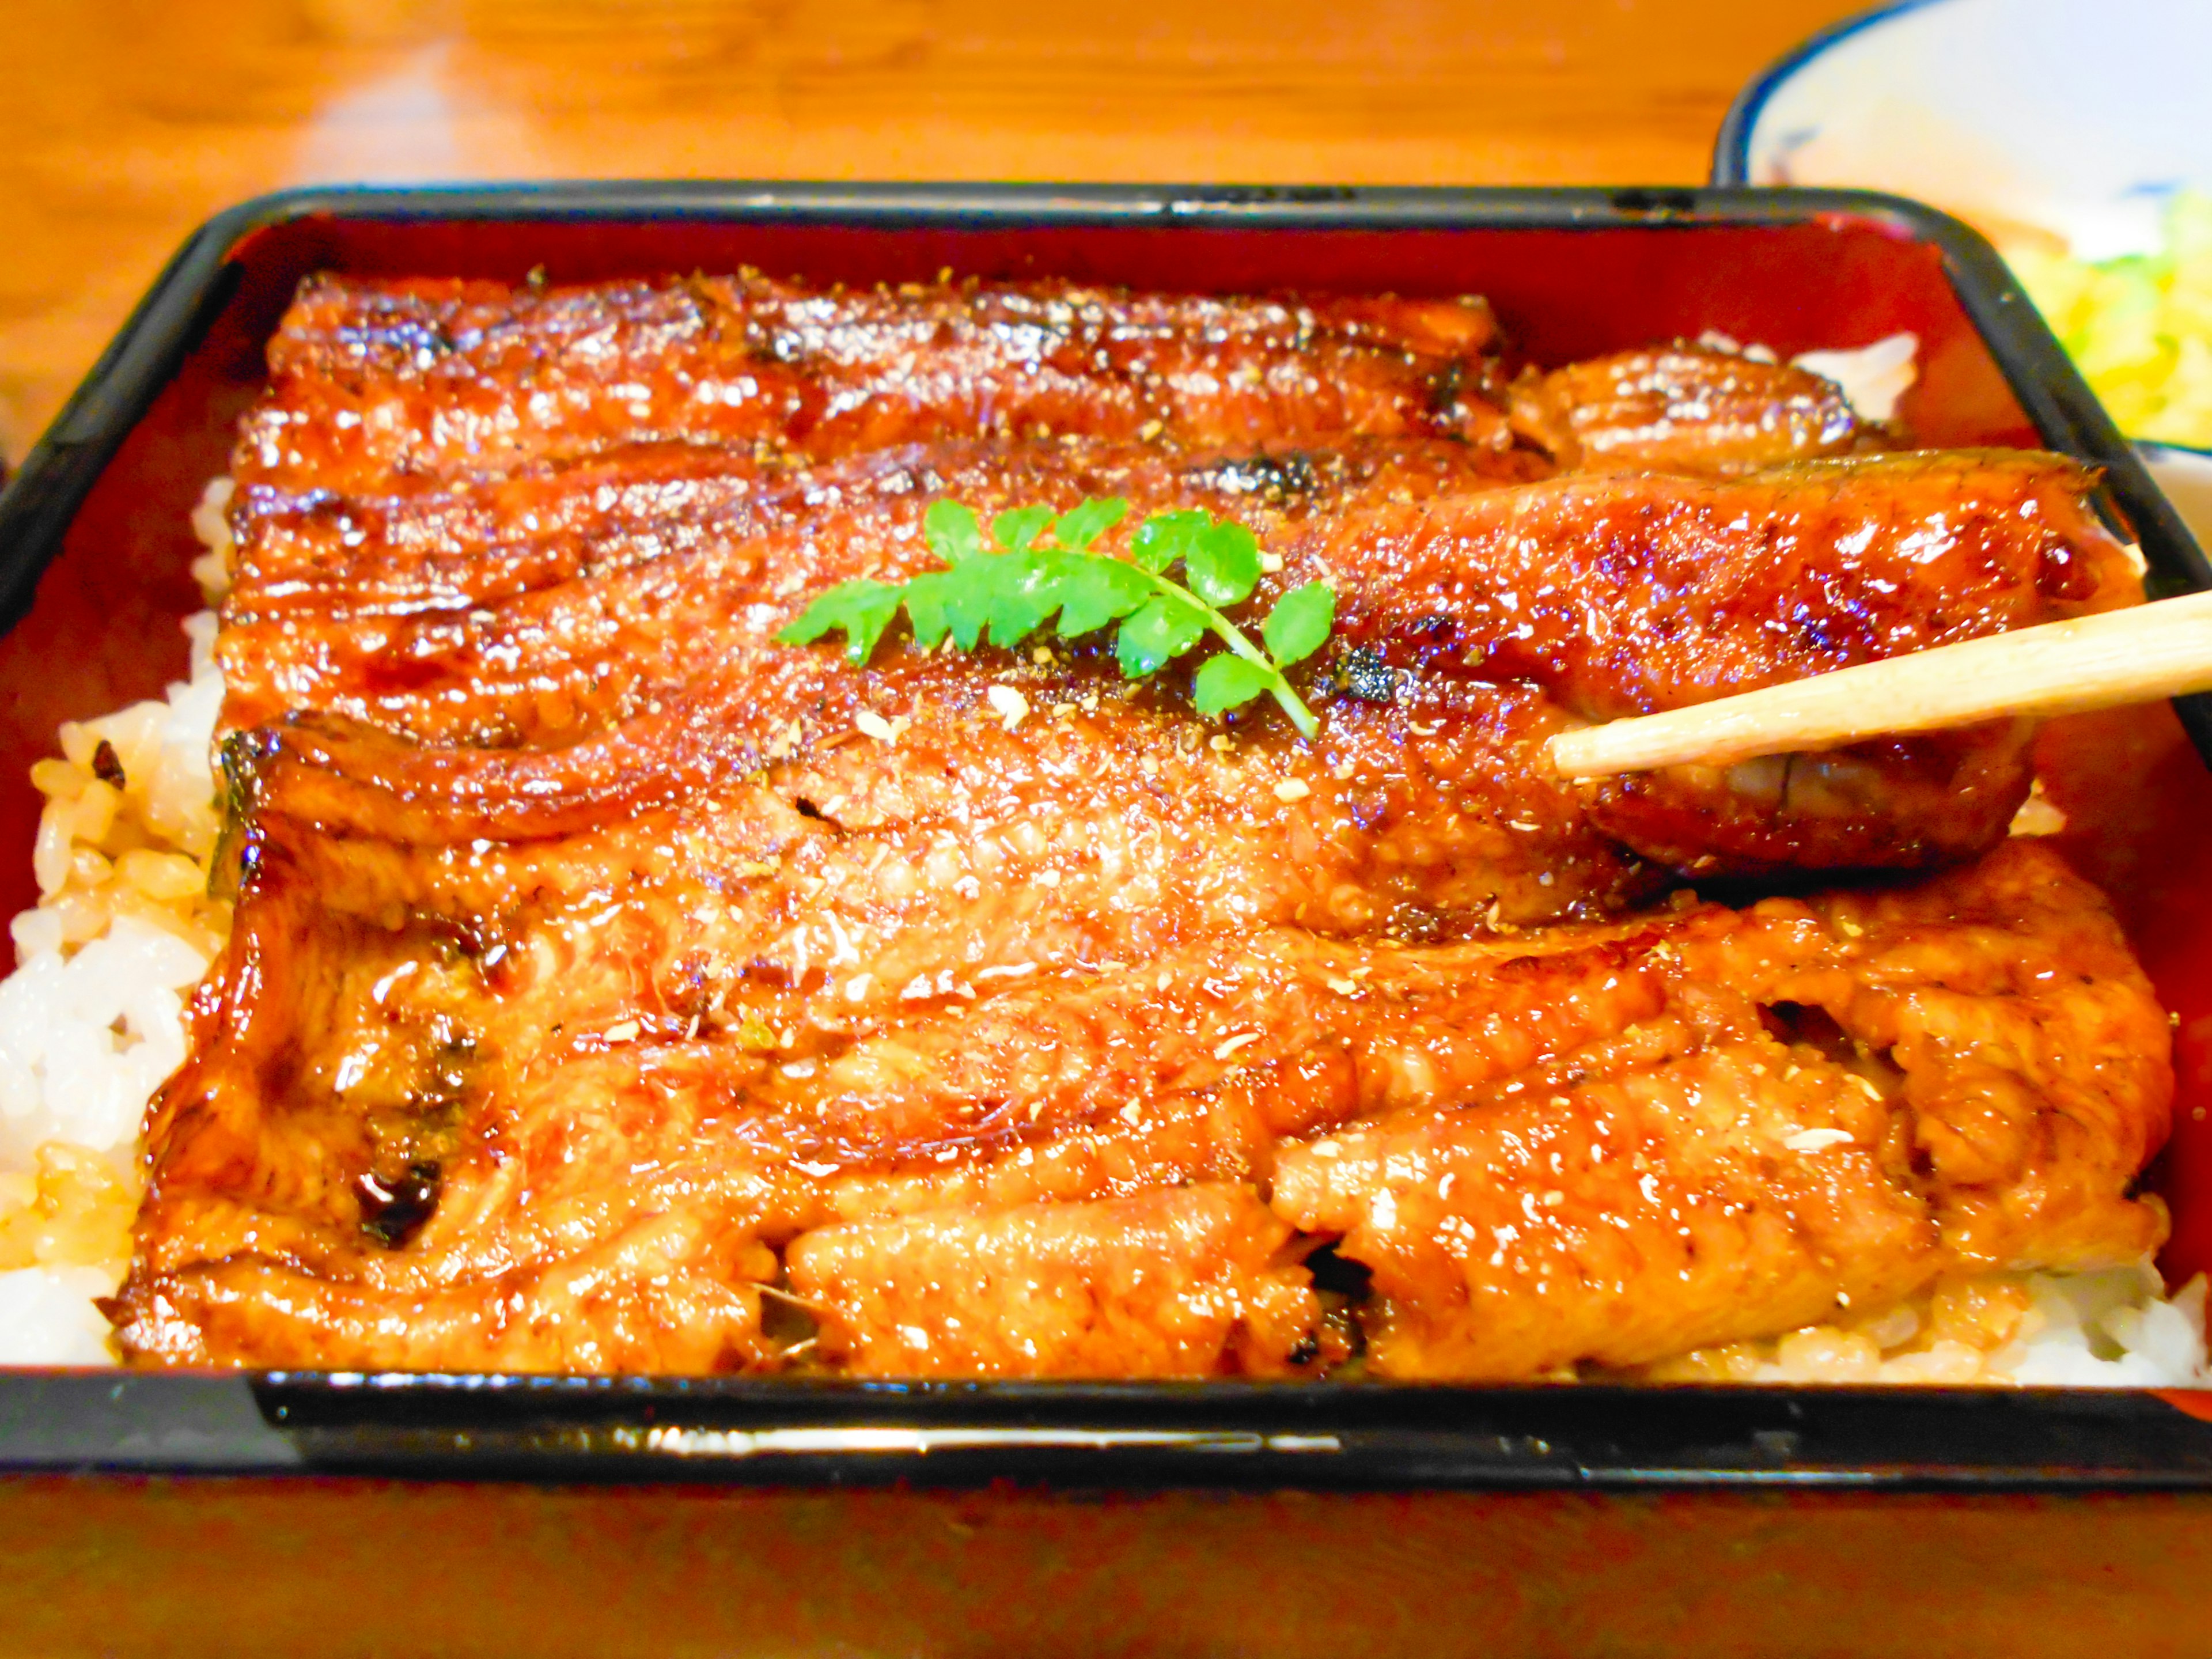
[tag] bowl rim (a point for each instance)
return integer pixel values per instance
(1731, 165)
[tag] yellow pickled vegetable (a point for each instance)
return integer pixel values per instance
(2139, 328)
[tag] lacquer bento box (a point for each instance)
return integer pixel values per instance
(95, 545)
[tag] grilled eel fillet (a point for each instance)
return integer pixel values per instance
(551, 676)
(1605, 1142)
(1682, 409)
(372, 381)
(548, 1034)
(562, 524)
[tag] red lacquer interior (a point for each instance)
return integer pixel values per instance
(104, 630)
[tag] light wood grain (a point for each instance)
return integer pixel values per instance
(2138, 655)
(122, 125)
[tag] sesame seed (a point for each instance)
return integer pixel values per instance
(1011, 706)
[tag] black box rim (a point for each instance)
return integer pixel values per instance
(564, 1430)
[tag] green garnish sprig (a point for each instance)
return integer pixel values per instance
(1041, 574)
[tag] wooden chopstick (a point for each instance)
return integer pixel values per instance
(2158, 650)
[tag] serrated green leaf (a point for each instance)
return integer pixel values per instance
(952, 532)
(1006, 597)
(1227, 682)
(1224, 563)
(1097, 591)
(925, 598)
(1025, 592)
(1299, 624)
(860, 610)
(1084, 524)
(1160, 631)
(1166, 537)
(968, 592)
(1017, 527)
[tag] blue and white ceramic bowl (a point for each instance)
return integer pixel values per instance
(2063, 121)
(2075, 116)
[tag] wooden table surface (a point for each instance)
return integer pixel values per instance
(123, 123)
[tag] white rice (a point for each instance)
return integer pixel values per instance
(92, 1019)
(47, 1316)
(1873, 379)
(2116, 1330)
(92, 1022)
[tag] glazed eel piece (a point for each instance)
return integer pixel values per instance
(962, 838)
(538, 608)
(423, 557)
(1683, 408)
(1602, 595)
(374, 380)
(1841, 1096)
(1596, 1143)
